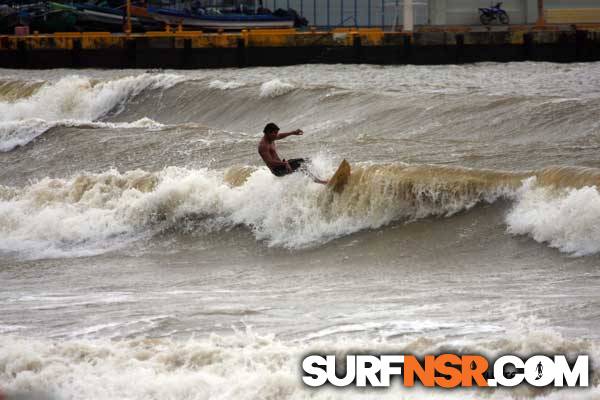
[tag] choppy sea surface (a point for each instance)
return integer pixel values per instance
(146, 253)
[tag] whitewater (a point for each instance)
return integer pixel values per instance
(146, 252)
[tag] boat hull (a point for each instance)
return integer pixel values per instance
(92, 17)
(225, 22)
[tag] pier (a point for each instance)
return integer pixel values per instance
(194, 49)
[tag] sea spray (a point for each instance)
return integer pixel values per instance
(244, 365)
(90, 210)
(275, 88)
(565, 218)
(19, 133)
(70, 101)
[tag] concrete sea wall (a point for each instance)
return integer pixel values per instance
(439, 45)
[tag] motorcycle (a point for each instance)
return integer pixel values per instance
(487, 15)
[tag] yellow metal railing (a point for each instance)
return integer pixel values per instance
(572, 15)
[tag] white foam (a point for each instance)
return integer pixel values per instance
(567, 219)
(93, 213)
(140, 123)
(81, 98)
(225, 85)
(72, 98)
(19, 133)
(49, 219)
(244, 366)
(575, 81)
(275, 88)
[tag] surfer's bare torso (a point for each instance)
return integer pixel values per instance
(268, 150)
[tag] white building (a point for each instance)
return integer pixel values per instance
(388, 13)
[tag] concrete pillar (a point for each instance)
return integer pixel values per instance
(541, 20)
(437, 12)
(408, 16)
(532, 11)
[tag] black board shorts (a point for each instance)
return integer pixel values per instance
(295, 163)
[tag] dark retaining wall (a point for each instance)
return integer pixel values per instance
(197, 50)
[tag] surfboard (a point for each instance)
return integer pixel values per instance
(339, 180)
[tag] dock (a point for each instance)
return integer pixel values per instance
(193, 49)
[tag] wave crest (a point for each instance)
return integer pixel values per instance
(567, 219)
(275, 88)
(70, 100)
(91, 210)
(243, 365)
(88, 209)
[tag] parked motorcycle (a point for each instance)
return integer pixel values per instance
(487, 15)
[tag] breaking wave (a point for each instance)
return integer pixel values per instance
(244, 365)
(567, 219)
(94, 213)
(275, 88)
(70, 101)
(219, 84)
(399, 99)
(19, 133)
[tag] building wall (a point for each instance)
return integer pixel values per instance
(333, 13)
(572, 3)
(466, 12)
(388, 13)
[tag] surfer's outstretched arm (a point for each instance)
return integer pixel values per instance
(286, 134)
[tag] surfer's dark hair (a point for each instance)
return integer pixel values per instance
(270, 127)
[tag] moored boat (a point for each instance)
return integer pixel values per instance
(215, 20)
(93, 17)
(96, 17)
(53, 17)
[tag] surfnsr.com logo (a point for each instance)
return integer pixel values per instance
(445, 371)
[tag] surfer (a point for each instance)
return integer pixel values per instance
(268, 152)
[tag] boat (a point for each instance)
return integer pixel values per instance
(93, 17)
(43, 17)
(96, 17)
(148, 23)
(53, 17)
(213, 19)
